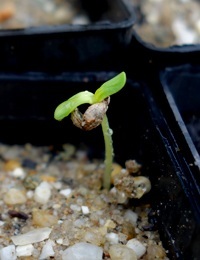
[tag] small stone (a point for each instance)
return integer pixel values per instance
(83, 251)
(8, 253)
(132, 166)
(59, 241)
(14, 196)
(30, 194)
(85, 210)
(18, 173)
(42, 193)
(2, 223)
(25, 250)
(121, 252)
(131, 217)
(112, 237)
(66, 192)
(142, 185)
(42, 218)
(47, 250)
(33, 236)
(137, 247)
(17, 214)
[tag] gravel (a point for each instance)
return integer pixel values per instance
(15, 14)
(56, 209)
(166, 23)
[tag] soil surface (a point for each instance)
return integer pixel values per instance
(165, 23)
(15, 14)
(53, 207)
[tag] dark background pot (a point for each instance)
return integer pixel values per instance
(71, 47)
(181, 87)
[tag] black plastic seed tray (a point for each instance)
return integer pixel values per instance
(181, 88)
(172, 74)
(70, 47)
(140, 132)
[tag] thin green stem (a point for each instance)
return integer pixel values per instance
(109, 153)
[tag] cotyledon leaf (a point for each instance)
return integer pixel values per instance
(110, 87)
(68, 106)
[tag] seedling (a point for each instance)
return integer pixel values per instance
(94, 115)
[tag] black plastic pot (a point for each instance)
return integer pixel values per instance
(140, 132)
(181, 87)
(70, 47)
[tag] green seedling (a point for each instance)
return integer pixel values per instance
(94, 115)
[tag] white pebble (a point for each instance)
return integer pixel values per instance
(18, 173)
(83, 251)
(2, 223)
(66, 192)
(42, 193)
(47, 250)
(25, 250)
(8, 253)
(33, 236)
(30, 194)
(112, 237)
(59, 241)
(85, 210)
(131, 216)
(137, 246)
